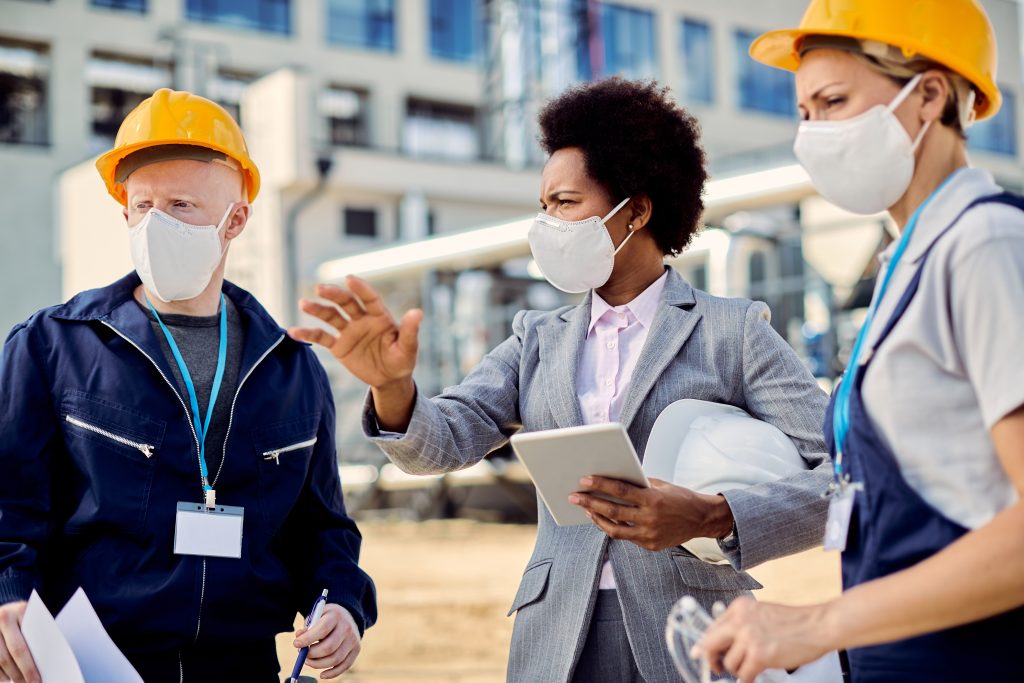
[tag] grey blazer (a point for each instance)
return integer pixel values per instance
(700, 347)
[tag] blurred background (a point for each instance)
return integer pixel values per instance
(397, 141)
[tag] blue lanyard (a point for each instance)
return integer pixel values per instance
(841, 408)
(218, 378)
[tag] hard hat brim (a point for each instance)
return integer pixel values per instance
(107, 164)
(780, 49)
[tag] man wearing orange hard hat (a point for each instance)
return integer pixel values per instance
(926, 428)
(167, 447)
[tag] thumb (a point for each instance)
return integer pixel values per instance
(409, 329)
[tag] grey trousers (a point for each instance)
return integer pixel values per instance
(606, 656)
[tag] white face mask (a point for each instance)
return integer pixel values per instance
(575, 256)
(174, 259)
(864, 164)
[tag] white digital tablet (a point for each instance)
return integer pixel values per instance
(557, 459)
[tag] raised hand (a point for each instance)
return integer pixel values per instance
(368, 342)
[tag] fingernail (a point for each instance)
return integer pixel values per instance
(574, 499)
(586, 481)
(587, 513)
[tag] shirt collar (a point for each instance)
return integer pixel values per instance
(643, 307)
(967, 185)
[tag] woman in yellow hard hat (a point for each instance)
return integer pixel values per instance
(927, 427)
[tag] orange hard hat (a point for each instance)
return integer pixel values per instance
(954, 33)
(174, 117)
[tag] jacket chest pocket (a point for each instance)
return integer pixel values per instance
(115, 451)
(284, 451)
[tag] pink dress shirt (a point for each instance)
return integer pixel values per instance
(610, 352)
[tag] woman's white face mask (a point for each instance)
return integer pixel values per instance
(176, 260)
(864, 164)
(575, 256)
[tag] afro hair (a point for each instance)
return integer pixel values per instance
(636, 141)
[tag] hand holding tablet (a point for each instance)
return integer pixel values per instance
(557, 459)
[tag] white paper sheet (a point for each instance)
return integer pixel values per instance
(53, 655)
(99, 658)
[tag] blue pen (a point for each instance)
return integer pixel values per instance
(314, 616)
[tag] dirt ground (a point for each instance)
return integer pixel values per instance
(444, 588)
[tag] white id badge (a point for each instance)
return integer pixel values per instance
(840, 509)
(210, 532)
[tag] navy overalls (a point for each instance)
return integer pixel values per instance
(893, 528)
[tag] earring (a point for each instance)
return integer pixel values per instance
(631, 227)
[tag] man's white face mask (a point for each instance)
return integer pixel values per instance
(174, 259)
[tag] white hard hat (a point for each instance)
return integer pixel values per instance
(713, 447)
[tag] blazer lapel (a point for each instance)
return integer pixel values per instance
(673, 324)
(561, 343)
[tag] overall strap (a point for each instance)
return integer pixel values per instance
(1007, 198)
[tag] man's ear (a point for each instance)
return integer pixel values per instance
(238, 220)
(640, 211)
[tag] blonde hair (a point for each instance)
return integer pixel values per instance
(890, 61)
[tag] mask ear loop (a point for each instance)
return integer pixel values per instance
(632, 231)
(615, 210)
(900, 98)
(905, 93)
(223, 224)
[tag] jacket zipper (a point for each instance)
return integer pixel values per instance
(231, 419)
(195, 438)
(223, 457)
(276, 453)
(145, 448)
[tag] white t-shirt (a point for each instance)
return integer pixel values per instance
(954, 364)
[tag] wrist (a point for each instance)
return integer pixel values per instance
(830, 623)
(718, 517)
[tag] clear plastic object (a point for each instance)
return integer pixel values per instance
(687, 623)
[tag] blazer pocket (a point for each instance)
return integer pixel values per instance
(532, 587)
(712, 577)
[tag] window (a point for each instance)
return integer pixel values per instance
(629, 46)
(273, 16)
(360, 222)
(440, 131)
(757, 271)
(346, 113)
(999, 133)
(698, 52)
(455, 29)
(762, 88)
(23, 104)
(227, 89)
(362, 23)
(126, 5)
(119, 84)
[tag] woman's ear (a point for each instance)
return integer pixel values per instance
(640, 211)
(935, 89)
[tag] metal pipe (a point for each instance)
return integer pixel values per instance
(323, 168)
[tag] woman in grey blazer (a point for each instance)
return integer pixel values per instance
(593, 599)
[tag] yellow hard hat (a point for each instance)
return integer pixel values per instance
(954, 33)
(177, 118)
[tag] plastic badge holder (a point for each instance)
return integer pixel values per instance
(687, 623)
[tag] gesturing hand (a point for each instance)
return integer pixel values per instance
(369, 343)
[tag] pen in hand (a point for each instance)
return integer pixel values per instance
(314, 616)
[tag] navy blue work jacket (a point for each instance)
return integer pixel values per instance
(97, 449)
